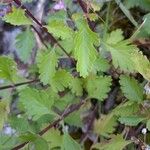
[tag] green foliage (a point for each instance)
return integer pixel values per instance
(25, 42)
(4, 110)
(84, 50)
(98, 86)
(8, 69)
(88, 94)
(61, 80)
(47, 63)
(131, 120)
(144, 4)
(17, 17)
(59, 29)
(105, 125)
(69, 143)
(36, 103)
(131, 88)
(116, 143)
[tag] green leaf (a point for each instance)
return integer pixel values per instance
(54, 138)
(122, 55)
(98, 86)
(115, 36)
(36, 103)
(131, 88)
(147, 22)
(25, 42)
(59, 29)
(126, 109)
(19, 127)
(84, 50)
(142, 64)
(131, 120)
(61, 80)
(144, 4)
(47, 63)
(100, 64)
(40, 144)
(116, 143)
(69, 143)
(4, 110)
(8, 69)
(17, 17)
(105, 125)
(76, 86)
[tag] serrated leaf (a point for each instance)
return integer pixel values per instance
(47, 63)
(131, 88)
(122, 55)
(131, 120)
(100, 64)
(25, 42)
(126, 109)
(19, 127)
(144, 4)
(116, 143)
(36, 103)
(40, 143)
(105, 125)
(115, 36)
(8, 69)
(54, 138)
(69, 143)
(84, 50)
(142, 64)
(59, 29)
(17, 17)
(4, 110)
(61, 80)
(76, 86)
(98, 86)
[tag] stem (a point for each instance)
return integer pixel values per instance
(71, 109)
(18, 84)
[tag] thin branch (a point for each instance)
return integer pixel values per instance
(18, 2)
(83, 5)
(18, 84)
(71, 109)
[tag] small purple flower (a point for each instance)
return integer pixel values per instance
(59, 5)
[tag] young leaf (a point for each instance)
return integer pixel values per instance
(40, 143)
(131, 88)
(121, 53)
(35, 102)
(105, 125)
(8, 69)
(54, 138)
(84, 50)
(59, 29)
(4, 110)
(98, 86)
(47, 63)
(69, 143)
(17, 17)
(126, 109)
(76, 86)
(25, 42)
(61, 80)
(100, 64)
(142, 64)
(116, 143)
(131, 120)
